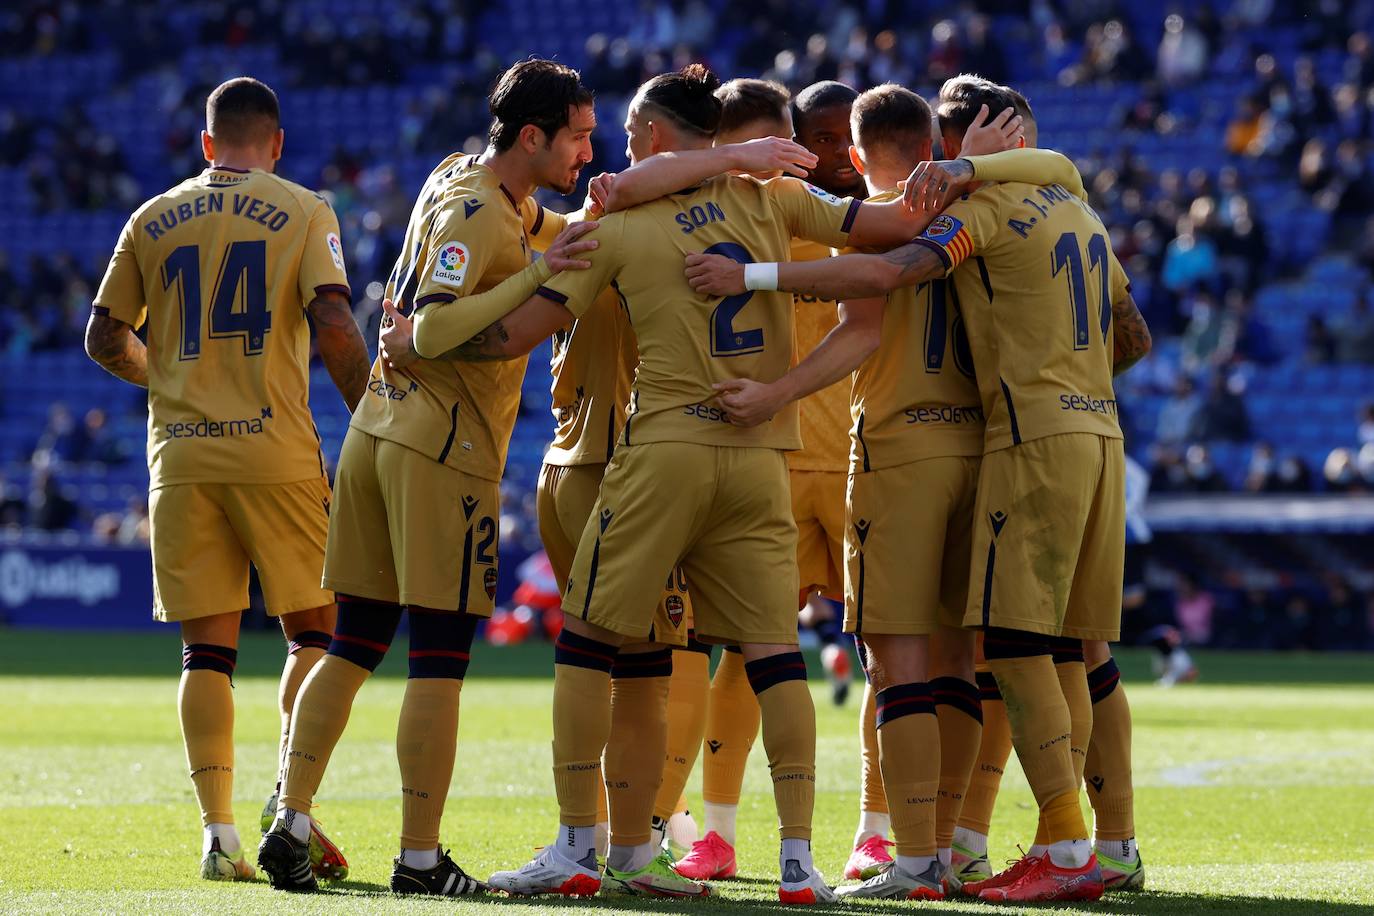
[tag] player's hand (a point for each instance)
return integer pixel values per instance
(933, 184)
(993, 135)
(563, 253)
(774, 154)
(398, 337)
(715, 275)
(598, 192)
(747, 402)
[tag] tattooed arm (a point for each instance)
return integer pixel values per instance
(850, 276)
(516, 334)
(341, 345)
(1130, 334)
(113, 344)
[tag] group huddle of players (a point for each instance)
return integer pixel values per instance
(924, 425)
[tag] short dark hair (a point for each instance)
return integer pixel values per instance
(961, 96)
(817, 96)
(1023, 107)
(687, 96)
(744, 101)
(242, 111)
(890, 118)
(535, 91)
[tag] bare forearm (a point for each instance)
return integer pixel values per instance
(664, 173)
(841, 352)
(344, 354)
(850, 276)
(1131, 335)
(113, 345)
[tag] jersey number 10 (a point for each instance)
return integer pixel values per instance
(238, 307)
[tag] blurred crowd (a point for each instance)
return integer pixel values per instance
(1199, 245)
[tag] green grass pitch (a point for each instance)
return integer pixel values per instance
(1254, 788)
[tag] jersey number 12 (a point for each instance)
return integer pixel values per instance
(238, 307)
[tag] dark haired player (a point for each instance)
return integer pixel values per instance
(414, 521)
(683, 485)
(223, 268)
(1042, 296)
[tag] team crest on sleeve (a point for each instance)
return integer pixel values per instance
(335, 249)
(451, 264)
(823, 194)
(943, 228)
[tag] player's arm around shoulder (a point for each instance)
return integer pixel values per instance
(665, 173)
(505, 322)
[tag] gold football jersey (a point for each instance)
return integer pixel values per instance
(916, 397)
(466, 234)
(824, 414)
(222, 268)
(1035, 278)
(592, 365)
(686, 341)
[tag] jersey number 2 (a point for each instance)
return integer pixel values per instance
(1067, 254)
(726, 339)
(238, 307)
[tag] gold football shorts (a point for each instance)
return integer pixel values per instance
(409, 530)
(1049, 538)
(204, 536)
(565, 500)
(907, 546)
(723, 513)
(818, 509)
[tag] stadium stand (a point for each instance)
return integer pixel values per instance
(1227, 145)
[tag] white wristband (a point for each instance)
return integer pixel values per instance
(761, 276)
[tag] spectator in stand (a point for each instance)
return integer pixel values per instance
(1202, 338)
(1318, 343)
(1364, 429)
(1223, 416)
(1243, 132)
(1294, 476)
(1341, 473)
(1262, 475)
(1189, 259)
(1182, 53)
(1169, 474)
(1245, 336)
(62, 439)
(128, 528)
(1293, 628)
(1178, 416)
(50, 509)
(1202, 473)
(98, 445)
(13, 507)
(1357, 331)
(1193, 609)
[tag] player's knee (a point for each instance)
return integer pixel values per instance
(652, 663)
(309, 639)
(896, 659)
(202, 656)
(313, 620)
(1096, 651)
(440, 643)
(1003, 643)
(901, 700)
(579, 627)
(364, 631)
(988, 691)
(578, 651)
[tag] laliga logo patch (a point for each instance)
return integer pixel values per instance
(451, 265)
(673, 605)
(942, 228)
(489, 582)
(823, 194)
(335, 249)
